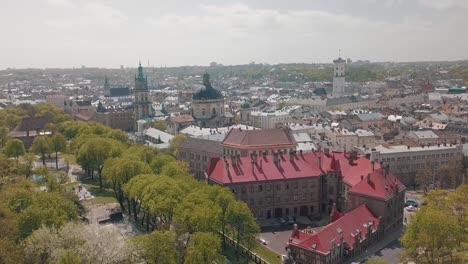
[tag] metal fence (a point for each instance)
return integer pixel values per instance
(245, 251)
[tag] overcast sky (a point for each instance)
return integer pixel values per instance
(110, 33)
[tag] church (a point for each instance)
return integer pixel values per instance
(208, 106)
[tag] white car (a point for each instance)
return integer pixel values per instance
(411, 208)
(263, 241)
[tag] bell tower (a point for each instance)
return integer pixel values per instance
(142, 106)
(339, 77)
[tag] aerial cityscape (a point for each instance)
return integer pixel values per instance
(331, 154)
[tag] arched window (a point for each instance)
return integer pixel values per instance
(214, 111)
(203, 111)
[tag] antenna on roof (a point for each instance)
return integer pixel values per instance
(339, 53)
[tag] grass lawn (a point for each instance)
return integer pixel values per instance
(68, 157)
(267, 254)
(103, 196)
(263, 252)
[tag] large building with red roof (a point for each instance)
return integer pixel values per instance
(308, 184)
(341, 240)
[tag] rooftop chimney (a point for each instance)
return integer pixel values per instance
(227, 168)
(326, 151)
(320, 162)
(368, 177)
(252, 165)
(373, 165)
(362, 177)
(261, 164)
(276, 158)
(386, 170)
(291, 155)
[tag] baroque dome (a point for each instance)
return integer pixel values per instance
(207, 92)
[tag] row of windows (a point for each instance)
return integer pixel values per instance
(286, 199)
(194, 156)
(419, 157)
(269, 187)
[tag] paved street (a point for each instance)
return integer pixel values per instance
(390, 253)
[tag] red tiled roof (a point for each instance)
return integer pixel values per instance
(182, 119)
(335, 214)
(257, 137)
(378, 185)
(302, 166)
(354, 223)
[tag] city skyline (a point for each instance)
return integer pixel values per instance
(101, 33)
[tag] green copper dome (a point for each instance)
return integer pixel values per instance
(245, 105)
(207, 92)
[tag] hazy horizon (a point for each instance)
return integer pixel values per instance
(110, 33)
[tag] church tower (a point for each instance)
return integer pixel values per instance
(142, 106)
(106, 87)
(339, 77)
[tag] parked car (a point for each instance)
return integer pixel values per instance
(411, 203)
(282, 221)
(411, 208)
(290, 220)
(263, 241)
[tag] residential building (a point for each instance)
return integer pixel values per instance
(405, 161)
(116, 118)
(197, 153)
(179, 122)
(30, 127)
(157, 138)
(268, 120)
(366, 138)
(341, 137)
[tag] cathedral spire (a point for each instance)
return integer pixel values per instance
(140, 75)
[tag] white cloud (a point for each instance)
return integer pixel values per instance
(444, 4)
(61, 3)
(93, 14)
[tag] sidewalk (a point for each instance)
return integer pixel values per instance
(370, 252)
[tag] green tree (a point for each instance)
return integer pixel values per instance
(98, 150)
(157, 247)
(41, 146)
(119, 171)
(44, 208)
(175, 142)
(242, 223)
(14, 148)
(84, 160)
(160, 125)
(160, 161)
(196, 213)
(58, 144)
(203, 248)
(26, 166)
(3, 135)
(141, 152)
(435, 231)
(224, 199)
